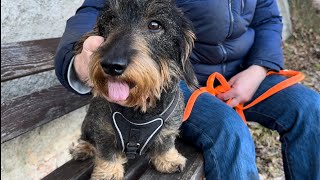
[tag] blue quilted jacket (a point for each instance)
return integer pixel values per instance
(231, 35)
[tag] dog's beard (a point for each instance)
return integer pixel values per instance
(140, 86)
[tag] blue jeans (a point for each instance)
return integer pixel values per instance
(226, 143)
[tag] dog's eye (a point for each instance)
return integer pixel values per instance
(154, 26)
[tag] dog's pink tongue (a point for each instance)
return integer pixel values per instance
(118, 90)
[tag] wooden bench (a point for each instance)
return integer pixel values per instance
(23, 112)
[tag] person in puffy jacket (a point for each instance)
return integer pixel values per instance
(242, 41)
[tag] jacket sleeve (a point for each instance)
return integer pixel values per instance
(79, 24)
(267, 47)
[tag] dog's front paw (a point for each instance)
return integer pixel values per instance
(82, 151)
(169, 162)
(105, 170)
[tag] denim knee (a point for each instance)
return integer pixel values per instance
(213, 119)
(226, 143)
(211, 129)
(302, 109)
(310, 107)
(219, 132)
(301, 137)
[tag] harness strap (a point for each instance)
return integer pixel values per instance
(294, 77)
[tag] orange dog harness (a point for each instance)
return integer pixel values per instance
(294, 77)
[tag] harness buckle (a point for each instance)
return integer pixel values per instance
(132, 149)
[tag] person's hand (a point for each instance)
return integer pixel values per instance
(244, 85)
(81, 61)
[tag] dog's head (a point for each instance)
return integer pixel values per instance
(146, 50)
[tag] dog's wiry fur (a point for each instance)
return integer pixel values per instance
(156, 60)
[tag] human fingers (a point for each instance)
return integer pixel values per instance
(89, 46)
(233, 80)
(227, 95)
(92, 43)
(234, 102)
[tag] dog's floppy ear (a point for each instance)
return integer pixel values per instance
(186, 48)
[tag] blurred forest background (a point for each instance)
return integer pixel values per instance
(301, 53)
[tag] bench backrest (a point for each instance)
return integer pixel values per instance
(30, 93)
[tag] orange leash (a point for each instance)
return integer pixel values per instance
(294, 77)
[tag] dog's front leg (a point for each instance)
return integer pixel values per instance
(165, 156)
(109, 163)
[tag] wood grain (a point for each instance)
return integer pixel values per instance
(72, 170)
(25, 113)
(26, 58)
(81, 170)
(194, 169)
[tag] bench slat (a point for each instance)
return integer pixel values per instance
(81, 170)
(24, 113)
(194, 169)
(26, 58)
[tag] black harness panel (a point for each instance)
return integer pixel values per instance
(135, 138)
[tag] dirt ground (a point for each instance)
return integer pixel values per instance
(302, 53)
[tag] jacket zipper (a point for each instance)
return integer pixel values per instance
(231, 19)
(242, 6)
(225, 56)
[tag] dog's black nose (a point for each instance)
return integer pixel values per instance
(115, 67)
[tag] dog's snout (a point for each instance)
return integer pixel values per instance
(114, 68)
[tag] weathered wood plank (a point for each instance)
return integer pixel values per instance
(194, 169)
(24, 113)
(81, 170)
(136, 167)
(72, 170)
(25, 58)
